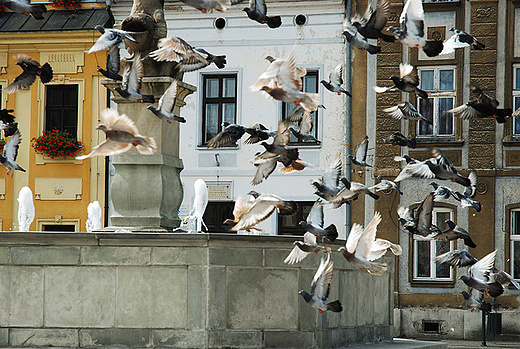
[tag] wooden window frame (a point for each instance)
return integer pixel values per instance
(62, 108)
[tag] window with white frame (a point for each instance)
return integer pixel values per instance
(425, 250)
(440, 83)
(514, 232)
(516, 99)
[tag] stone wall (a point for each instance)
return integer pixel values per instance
(179, 291)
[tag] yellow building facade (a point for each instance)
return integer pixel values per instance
(62, 187)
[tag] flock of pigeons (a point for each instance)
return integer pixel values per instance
(282, 81)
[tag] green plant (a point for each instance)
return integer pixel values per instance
(56, 144)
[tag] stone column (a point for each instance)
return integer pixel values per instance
(146, 190)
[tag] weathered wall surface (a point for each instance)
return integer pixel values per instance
(179, 291)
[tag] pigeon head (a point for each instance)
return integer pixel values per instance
(323, 82)
(302, 224)
(254, 194)
(342, 249)
(225, 124)
(100, 29)
(102, 127)
(305, 295)
(394, 30)
(395, 79)
(151, 107)
(452, 29)
(379, 177)
(266, 89)
(270, 59)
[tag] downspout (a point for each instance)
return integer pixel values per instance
(348, 114)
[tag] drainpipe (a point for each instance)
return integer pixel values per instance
(348, 114)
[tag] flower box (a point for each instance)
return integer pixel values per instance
(56, 144)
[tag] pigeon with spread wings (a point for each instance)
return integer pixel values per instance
(257, 11)
(25, 7)
(304, 248)
(315, 222)
(320, 289)
(335, 81)
(166, 105)
(407, 81)
(131, 85)
(373, 22)
(31, 69)
(357, 40)
(407, 111)
(460, 39)
(109, 38)
(121, 134)
(8, 159)
(360, 156)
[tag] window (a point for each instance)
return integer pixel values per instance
(425, 251)
(310, 84)
(216, 213)
(516, 100)
(515, 243)
(61, 108)
(219, 103)
(439, 82)
(288, 225)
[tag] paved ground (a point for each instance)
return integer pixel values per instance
(461, 344)
(399, 343)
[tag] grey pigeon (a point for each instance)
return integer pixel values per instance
(304, 248)
(442, 191)
(467, 201)
(264, 168)
(109, 38)
(460, 39)
(411, 32)
(361, 154)
(398, 138)
(407, 81)
(303, 137)
(351, 191)
(31, 69)
(455, 232)
(385, 184)
(113, 64)
(228, 137)
(25, 7)
(320, 289)
(374, 21)
(456, 258)
(303, 118)
(131, 86)
(8, 159)
(335, 81)
(474, 298)
(167, 104)
(479, 276)
(257, 11)
(329, 185)
(406, 111)
(258, 132)
(481, 106)
(420, 220)
(314, 223)
(351, 34)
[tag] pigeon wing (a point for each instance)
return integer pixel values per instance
(335, 76)
(361, 150)
(21, 82)
(322, 279)
(315, 216)
(412, 18)
(258, 212)
(331, 176)
(117, 122)
(136, 74)
(113, 59)
(167, 100)
(106, 148)
(307, 123)
(408, 74)
(379, 248)
(171, 49)
(423, 214)
(264, 168)
(364, 246)
(379, 17)
(283, 135)
(481, 270)
(11, 148)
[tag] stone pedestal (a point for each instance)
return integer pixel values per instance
(146, 190)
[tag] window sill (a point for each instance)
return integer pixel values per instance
(432, 283)
(42, 160)
(306, 145)
(512, 142)
(438, 142)
(204, 148)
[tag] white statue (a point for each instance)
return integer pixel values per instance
(94, 216)
(25, 209)
(200, 201)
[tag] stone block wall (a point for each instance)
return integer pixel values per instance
(179, 291)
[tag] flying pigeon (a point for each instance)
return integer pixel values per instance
(25, 7)
(420, 221)
(479, 276)
(303, 137)
(407, 81)
(467, 201)
(398, 138)
(7, 123)
(31, 69)
(304, 248)
(206, 6)
(374, 21)
(361, 247)
(200, 202)
(276, 68)
(314, 223)
(351, 191)
(361, 154)
(412, 33)
(335, 81)
(288, 92)
(320, 289)
(113, 65)
(189, 58)
(460, 39)
(264, 168)
(474, 298)
(251, 213)
(121, 134)
(257, 11)
(456, 258)
(228, 137)
(278, 146)
(455, 232)
(481, 106)
(329, 185)
(442, 191)
(167, 104)
(438, 167)
(8, 159)
(131, 85)
(109, 38)
(258, 132)
(355, 39)
(406, 111)
(303, 118)
(385, 184)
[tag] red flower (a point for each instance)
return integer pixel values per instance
(55, 143)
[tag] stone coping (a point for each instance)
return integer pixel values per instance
(149, 236)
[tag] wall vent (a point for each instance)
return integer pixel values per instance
(431, 326)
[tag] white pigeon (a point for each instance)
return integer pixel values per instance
(94, 216)
(305, 248)
(109, 38)
(200, 202)
(166, 105)
(25, 209)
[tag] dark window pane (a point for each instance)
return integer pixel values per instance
(441, 218)
(445, 119)
(229, 87)
(59, 227)
(61, 109)
(426, 109)
(441, 270)
(446, 80)
(517, 81)
(423, 259)
(288, 225)
(219, 103)
(215, 215)
(427, 80)
(516, 126)
(212, 87)
(515, 222)
(516, 260)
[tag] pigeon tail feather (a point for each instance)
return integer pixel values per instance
(148, 99)
(432, 48)
(377, 268)
(335, 306)
(423, 94)
(220, 61)
(331, 233)
(373, 49)
(146, 146)
(274, 22)
(46, 73)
